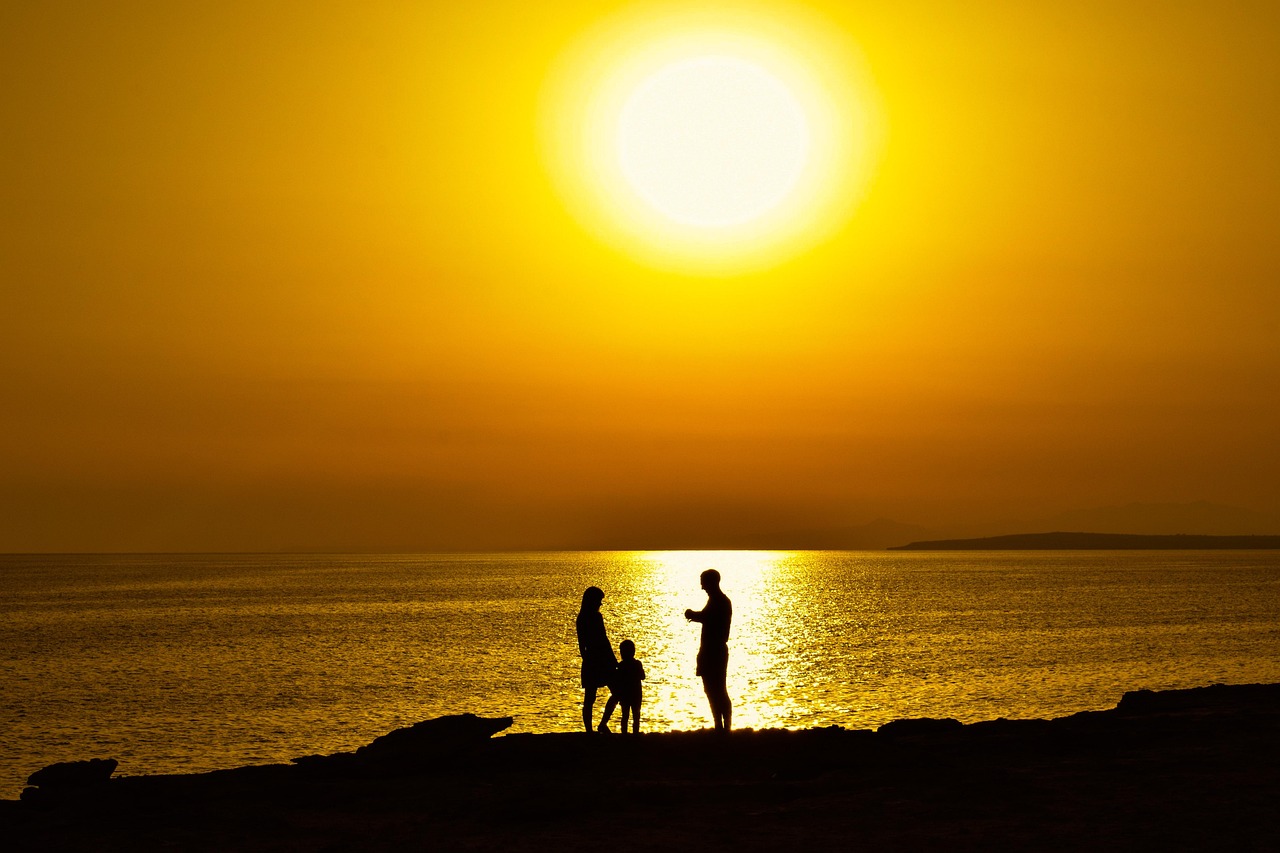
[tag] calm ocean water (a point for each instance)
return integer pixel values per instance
(177, 663)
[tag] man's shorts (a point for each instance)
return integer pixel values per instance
(713, 663)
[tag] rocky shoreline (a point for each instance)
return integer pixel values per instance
(1183, 769)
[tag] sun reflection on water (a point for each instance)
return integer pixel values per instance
(758, 644)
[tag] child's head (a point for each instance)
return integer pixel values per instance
(628, 649)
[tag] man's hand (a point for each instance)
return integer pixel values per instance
(689, 614)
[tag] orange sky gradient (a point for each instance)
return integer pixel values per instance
(295, 276)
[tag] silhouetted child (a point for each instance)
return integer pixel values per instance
(628, 676)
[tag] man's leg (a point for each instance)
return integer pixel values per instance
(718, 696)
(709, 688)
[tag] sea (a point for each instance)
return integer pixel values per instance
(175, 663)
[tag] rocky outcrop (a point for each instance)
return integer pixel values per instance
(419, 748)
(68, 779)
(1171, 770)
(920, 726)
(1216, 697)
(432, 738)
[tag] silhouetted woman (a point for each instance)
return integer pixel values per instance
(598, 661)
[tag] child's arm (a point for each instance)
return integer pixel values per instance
(641, 670)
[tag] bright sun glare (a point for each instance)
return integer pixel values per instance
(711, 142)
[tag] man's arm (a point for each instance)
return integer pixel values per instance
(696, 615)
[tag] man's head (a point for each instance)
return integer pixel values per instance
(710, 580)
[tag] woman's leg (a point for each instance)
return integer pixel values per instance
(608, 712)
(588, 707)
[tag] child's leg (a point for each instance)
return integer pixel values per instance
(635, 718)
(626, 711)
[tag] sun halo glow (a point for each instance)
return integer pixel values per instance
(710, 144)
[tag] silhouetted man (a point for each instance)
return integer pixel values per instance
(713, 653)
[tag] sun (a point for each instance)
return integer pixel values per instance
(714, 141)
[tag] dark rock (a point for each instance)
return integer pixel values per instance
(74, 774)
(309, 760)
(1171, 780)
(921, 726)
(433, 739)
(422, 747)
(1234, 697)
(999, 726)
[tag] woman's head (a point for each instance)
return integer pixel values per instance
(592, 597)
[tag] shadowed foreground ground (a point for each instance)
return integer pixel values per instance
(1191, 769)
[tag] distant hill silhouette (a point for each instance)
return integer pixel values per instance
(1059, 541)
(697, 527)
(1200, 518)
(1197, 517)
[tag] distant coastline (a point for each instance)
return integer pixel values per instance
(1059, 541)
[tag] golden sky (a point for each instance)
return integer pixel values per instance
(298, 275)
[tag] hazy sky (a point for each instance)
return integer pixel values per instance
(294, 275)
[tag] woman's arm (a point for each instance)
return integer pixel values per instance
(592, 637)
